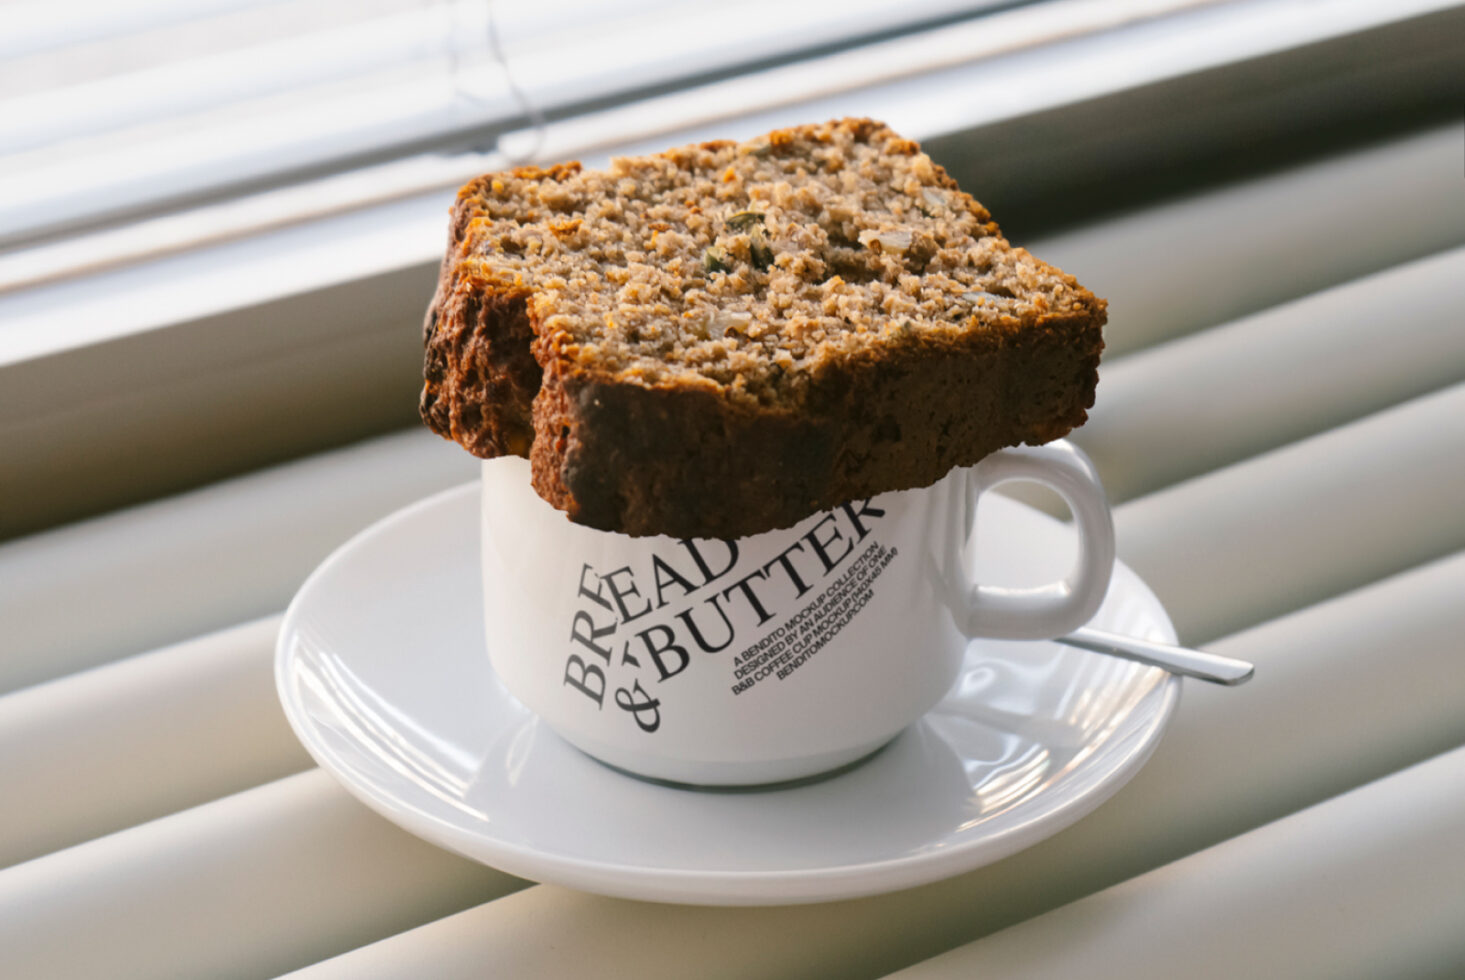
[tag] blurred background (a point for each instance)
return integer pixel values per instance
(220, 219)
(221, 222)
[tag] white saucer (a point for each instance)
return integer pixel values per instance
(383, 673)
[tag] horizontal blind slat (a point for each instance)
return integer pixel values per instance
(137, 739)
(168, 570)
(1363, 886)
(1312, 519)
(250, 885)
(378, 87)
(1223, 394)
(1346, 691)
(1174, 268)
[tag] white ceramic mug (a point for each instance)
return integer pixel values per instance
(775, 656)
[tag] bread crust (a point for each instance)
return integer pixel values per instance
(684, 460)
(688, 463)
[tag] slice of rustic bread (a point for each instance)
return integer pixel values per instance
(722, 339)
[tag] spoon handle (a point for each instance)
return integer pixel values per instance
(1178, 660)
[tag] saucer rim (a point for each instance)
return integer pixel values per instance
(724, 887)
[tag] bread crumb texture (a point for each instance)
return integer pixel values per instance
(769, 276)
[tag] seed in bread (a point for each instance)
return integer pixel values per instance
(723, 338)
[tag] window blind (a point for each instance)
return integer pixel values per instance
(1281, 418)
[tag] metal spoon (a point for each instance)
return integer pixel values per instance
(1177, 660)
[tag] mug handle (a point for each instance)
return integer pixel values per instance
(1060, 607)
